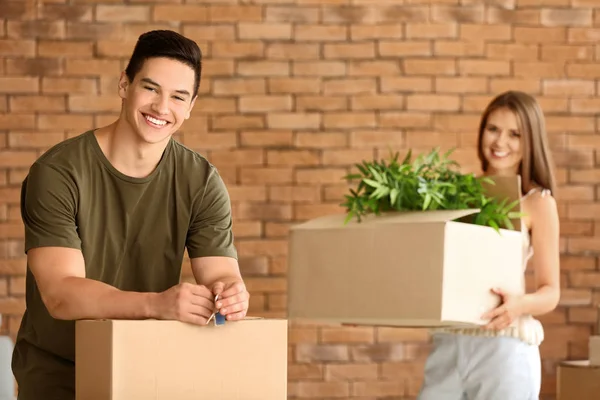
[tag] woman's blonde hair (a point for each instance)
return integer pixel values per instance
(537, 167)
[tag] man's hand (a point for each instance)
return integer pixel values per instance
(185, 302)
(233, 299)
(503, 315)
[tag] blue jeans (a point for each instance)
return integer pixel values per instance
(462, 367)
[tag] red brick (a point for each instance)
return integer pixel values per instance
(404, 48)
(585, 106)
(124, 13)
(320, 33)
(584, 35)
(566, 17)
(462, 14)
(303, 372)
(321, 103)
(264, 31)
(277, 230)
(268, 285)
(209, 32)
(246, 49)
(433, 102)
(92, 67)
(458, 48)
(539, 69)
(263, 68)
(322, 389)
(249, 104)
(580, 70)
(321, 140)
(271, 175)
(568, 87)
(234, 13)
(349, 50)
(239, 193)
(379, 388)
(293, 120)
(512, 16)
(362, 139)
(260, 248)
(377, 31)
(319, 68)
(349, 120)
(208, 105)
(18, 10)
(461, 85)
(271, 138)
(429, 67)
(287, 13)
(431, 30)
(521, 52)
(572, 124)
(294, 194)
(16, 121)
(351, 372)
(373, 68)
(228, 122)
(69, 12)
(377, 102)
(34, 66)
(416, 139)
(94, 31)
(14, 47)
(238, 157)
(406, 84)
(294, 85)
(292, 157)
(238, 86)
(567, 53)
(18, 84)
(65, 49)
(25, 103)
(522, 34)
(484, 67)
(296, 51)
(36, 29)
(346, 157)
(210, 141)
(88, 103)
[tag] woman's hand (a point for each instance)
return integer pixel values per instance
(503, 315)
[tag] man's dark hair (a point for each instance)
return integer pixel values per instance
(168, 44)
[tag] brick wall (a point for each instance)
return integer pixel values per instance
(296, 91)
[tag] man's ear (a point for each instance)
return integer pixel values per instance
(123, 85)
(191, 106)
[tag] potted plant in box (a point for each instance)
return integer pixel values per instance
(430, 182)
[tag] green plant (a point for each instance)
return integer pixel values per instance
(430, 182)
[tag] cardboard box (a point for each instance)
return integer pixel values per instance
(577, 380)
(419, 269)
(170, 360)
(594, 350)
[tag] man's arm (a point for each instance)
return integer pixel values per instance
(222, 275)
(68, 295)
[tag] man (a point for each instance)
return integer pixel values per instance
(109, 214)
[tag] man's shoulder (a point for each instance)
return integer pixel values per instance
(191, 161)
(64, 153)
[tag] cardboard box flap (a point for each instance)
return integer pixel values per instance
(336, 221)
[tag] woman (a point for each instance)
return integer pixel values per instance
(501, 361)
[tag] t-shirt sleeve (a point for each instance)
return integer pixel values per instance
(210, 232)
(49, 209)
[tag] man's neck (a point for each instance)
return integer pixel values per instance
(126, 152)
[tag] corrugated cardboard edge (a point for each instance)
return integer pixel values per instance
(93, 343)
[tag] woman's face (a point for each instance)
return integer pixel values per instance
(501, 143)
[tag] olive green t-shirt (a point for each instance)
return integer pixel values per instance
(132, 232)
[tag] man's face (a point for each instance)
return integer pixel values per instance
(159, 99)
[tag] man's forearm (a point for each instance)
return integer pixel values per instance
(81, 298)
